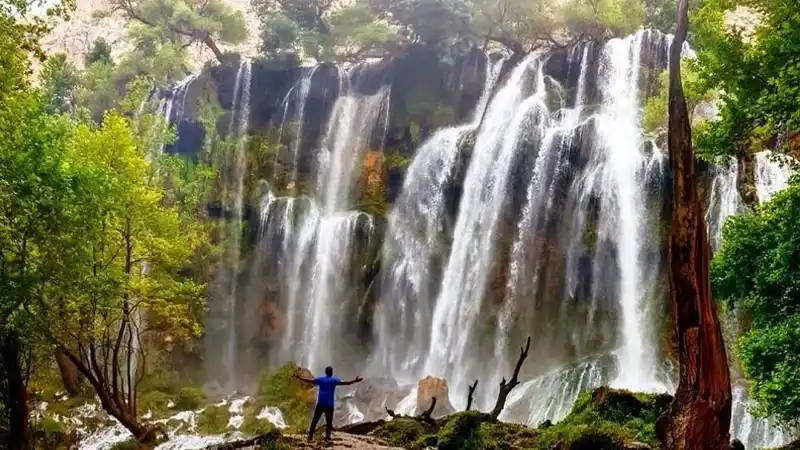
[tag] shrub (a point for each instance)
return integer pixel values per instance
(190, 399)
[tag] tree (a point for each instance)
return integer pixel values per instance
(59, 80)
(700, 413)
(98, 90)
(432, 22)
(355, 30)
(185, 22)
(519, 25)
(757, 75)
(603, 18)
(660, 14)
(756, 270)
(655, 115)
(100, 51)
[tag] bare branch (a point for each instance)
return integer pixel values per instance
(507, 387)
(471, 395)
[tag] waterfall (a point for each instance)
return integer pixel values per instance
(321, 234)
(234, 175)
(772, 172)
(465, 279)
(302, 95)
(724, 200)
(177, 95)
(754, 433)
(414, 244)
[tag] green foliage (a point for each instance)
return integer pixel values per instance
(282, 390)
(434, 22)
(100, 52)
(759, 75)
(179, 23)
(601, 17)
(213, 420)
(661, 14)
(756, 269)
(49, 434)
(517, 22)
(97, 90)
(356, 30)
(59, 79)
(655, 114)
(254, 426)
(189, 399)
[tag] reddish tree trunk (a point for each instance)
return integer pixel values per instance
(700, 415)
(19, 437)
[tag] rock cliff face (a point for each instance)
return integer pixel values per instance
(408, 217)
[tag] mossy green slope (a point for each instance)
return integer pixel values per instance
(604, 419)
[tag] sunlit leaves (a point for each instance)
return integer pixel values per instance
(758, 269)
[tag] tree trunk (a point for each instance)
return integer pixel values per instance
(213, 46)
(19, 437)
(700, 414)
(114, 407)
(70, 376)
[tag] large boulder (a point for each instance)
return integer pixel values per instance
(427, 389)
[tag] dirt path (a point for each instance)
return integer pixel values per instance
(342, 441)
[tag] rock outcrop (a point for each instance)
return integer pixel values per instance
(427, 389)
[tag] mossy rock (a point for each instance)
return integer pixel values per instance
(406, 433)
(604, 419)
(294, 398)
(130, 444)
(50, 434)
(213, 420)
(189, 399)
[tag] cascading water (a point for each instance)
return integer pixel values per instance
(586, 249)
(234, 172)
(177, 96)
(321, 234)
(619, 137)
(414, 246)
(724, 200)
(465, 278)
(772, 174)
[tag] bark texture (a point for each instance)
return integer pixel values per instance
(700, 414)
(19, 437)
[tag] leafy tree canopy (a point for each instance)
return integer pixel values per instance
(758, 269)
(184, 22)
(759, 76)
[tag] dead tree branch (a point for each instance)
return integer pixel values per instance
(507, 387)
(471, 395)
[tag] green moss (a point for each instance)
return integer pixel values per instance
(189, 399)
(47, 433)
(601, 420)
(461, 432)
(282, 390)
(130, 444)
(255, 427)
(156, 402)
(405, 433)
(213, 420)
(608, 418)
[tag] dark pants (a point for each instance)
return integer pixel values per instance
(318, 412)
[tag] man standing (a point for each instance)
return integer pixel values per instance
(325, 399)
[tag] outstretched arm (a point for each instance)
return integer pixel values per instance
(307, 380)
(353, 381)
